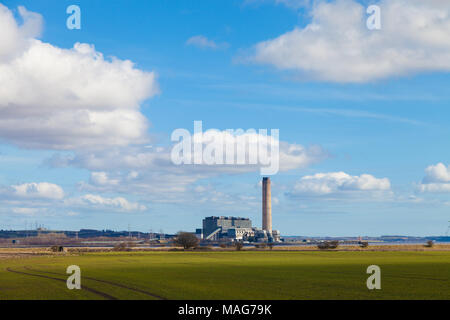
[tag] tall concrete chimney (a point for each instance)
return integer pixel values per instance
(266, 205)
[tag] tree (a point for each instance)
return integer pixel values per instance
(186, 240)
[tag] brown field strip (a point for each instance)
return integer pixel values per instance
(94, 291)
(105, 281)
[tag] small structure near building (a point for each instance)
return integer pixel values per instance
(240, 233)
(57, 249)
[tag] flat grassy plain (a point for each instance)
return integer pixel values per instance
(228, 275)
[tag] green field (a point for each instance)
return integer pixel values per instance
(229, 275)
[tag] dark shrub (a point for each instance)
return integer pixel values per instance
(327, 245)
(364, 244)
(429, 244)
(187, 240)
(121, 247)
(57, 249)
(203, 249)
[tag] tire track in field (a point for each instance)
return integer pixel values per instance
(406, 276)
(415, 277)
(105, 281)
(94, 291)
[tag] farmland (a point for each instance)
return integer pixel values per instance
(228, 275)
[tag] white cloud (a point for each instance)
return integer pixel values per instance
(438, 173)
(150, 170)
(296, 156)
(338, 47)
(99, 202)
(252, 144)
(25, 211)
(14, 38)
(43, 190)
(323, 184)
(436, 180)
(434, 187)
(203, 42)
(102, 179)
(75, 98)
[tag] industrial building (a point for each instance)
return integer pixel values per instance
(215, 228)
(240, 229)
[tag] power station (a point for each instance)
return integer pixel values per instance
(240, 229)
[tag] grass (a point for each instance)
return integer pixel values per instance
(231, 275)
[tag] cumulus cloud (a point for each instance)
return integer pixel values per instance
(296, 156)
(43, 190)
(150, 170)
(29, 199)
(205, 43)
(99, 202)
(339, 183)
(434, 187)
(436, 180)
(50, 199)
(25, 211)
(338, 47)
(55, 98)
(438, 173)
(14, 38)
(246, 151)
(102, 179)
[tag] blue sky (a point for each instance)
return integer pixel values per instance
(380, 119)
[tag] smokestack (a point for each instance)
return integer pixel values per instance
(266, 205)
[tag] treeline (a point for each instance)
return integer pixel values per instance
(82, 234)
